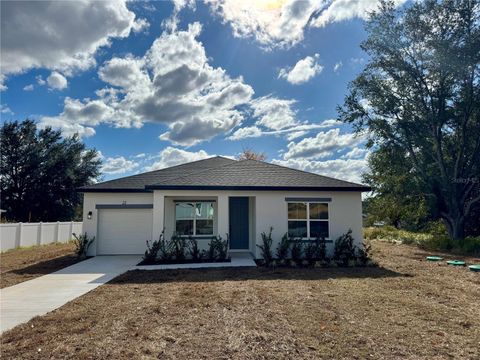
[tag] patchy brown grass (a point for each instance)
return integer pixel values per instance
(407, 308)
(20, 265)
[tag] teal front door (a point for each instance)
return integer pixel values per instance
(238, 217)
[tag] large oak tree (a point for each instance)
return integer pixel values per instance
(420, 92)
(40, 172)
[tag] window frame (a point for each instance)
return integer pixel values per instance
(308, 220)
(194, 229)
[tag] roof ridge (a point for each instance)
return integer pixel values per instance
(305, 172)
(166, 168)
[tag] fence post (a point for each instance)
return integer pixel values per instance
(18, 240)
(71, 232)
(39, 233)
(57, 231)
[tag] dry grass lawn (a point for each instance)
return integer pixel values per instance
(407, 308)
(20, 265)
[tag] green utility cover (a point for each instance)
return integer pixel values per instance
(456, 263)
(475, 268)
(434, 258)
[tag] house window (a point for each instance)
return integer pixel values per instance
(308, 220)
(194, 218)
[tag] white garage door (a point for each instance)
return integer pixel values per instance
(123, 231)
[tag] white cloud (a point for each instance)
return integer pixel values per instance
(304, 70)
(290, 132)
(350, 169)
(4, 109)
(323, 145)
(340, 10)
(118, 165)
(171, 156)
(356, 153)
(272, 23)
(274, 113)
(57, 81)
(28, 87)
(60, 35)
(172, 84)
(67, 128)
(337, 66)
(40, 80)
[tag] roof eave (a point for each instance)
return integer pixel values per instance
(259, 188)
(112, 190)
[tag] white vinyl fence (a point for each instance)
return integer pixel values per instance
(15, 235)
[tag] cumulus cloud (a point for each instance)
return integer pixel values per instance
(57, 81)
(118, 165)
(282, 23)
(339, 10)
(67, 128)
(345, 169)
(291, 133)
(356, 153)
(323, 145)
(271, 23)
(171, 156)
(172, 84)
(274, 113)
(60, 35)
(304, 70)
(28, 87)
(337, 66)
(4, 109)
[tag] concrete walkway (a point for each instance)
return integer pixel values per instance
(20, 303)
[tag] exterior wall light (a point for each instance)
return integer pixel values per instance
(89, 215)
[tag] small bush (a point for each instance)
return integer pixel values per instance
(153, 247)
(193, 249)
(218, 248)
(344, 250)
(165, 248)
(297, 251)
(82, 243)
(364, 253)
(283, 248)
(179, 247)
(266, 247)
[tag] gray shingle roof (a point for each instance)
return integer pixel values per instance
(223, 173)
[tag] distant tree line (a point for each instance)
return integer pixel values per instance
(40, 171)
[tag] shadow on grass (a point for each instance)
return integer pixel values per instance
(47, 266)
(253, 274)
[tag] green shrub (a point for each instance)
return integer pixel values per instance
(178, 246)
(193, 249)
(218, 248)
(153, 247)
(297, 251)
(316, 250)
(344, 250)
(363, 253)
(82, 243)
(283, 248)
(266, 247)
(165, 248)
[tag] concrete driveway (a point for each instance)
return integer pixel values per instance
(22, 302)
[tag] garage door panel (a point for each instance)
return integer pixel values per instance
(123, 231)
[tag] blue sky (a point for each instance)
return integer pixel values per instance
(159, 83)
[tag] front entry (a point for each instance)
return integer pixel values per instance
(238, 217)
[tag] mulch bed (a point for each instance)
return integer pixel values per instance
(185, 261)
(20, 265)
(405, 308)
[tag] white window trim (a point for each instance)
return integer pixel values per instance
(195, 219)
(308, 217)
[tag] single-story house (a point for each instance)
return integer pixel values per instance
(217, 196)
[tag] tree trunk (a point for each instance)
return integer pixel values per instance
(456, 228)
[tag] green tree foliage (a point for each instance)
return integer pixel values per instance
(420, 93)
(40, 172)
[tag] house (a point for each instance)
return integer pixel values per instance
(217, 196)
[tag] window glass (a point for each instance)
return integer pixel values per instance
(297, 229)
(184, 211)
(297, 210)
(184, 227)
(204, 210)
(204, 227)
(319, 229)
(318, 211)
